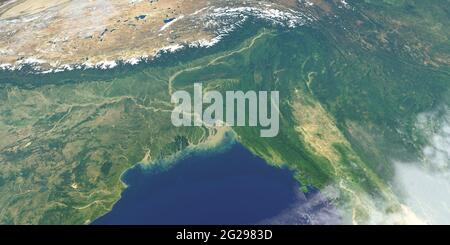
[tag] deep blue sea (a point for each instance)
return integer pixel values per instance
(232, 186)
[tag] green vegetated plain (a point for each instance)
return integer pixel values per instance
(351, 88)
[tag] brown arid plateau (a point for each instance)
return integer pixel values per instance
(55, 33)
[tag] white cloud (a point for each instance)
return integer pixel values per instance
(314, 208)
(425, 185)
(426, 193)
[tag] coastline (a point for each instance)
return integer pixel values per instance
(219, 142)
(142, 201)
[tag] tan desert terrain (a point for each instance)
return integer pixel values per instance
(59, 32)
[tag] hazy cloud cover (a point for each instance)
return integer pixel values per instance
(425, 186)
